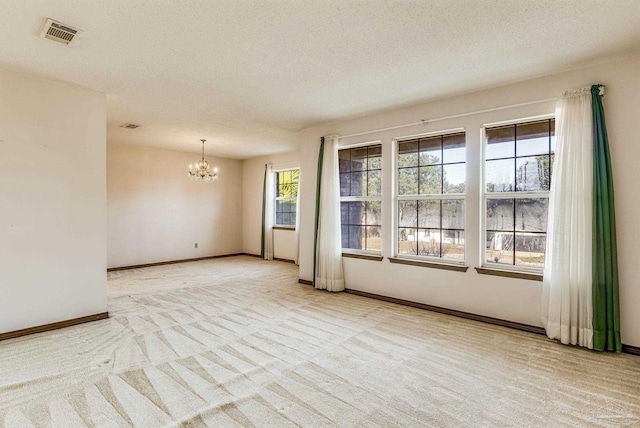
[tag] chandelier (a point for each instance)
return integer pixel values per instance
(202, 169)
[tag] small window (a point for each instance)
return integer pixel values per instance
(431, 190)
(360, 198)
(286, 197)
(518, 160)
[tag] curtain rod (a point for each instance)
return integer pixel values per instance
(426, 121)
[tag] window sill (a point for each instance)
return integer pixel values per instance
(510, 274)
(284, 228)
(434, 265)
(371, 257)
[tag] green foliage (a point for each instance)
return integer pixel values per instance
(287, 183)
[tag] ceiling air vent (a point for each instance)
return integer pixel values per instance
(59, 32)
(130, 126)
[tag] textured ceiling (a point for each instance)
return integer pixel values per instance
(248, 74)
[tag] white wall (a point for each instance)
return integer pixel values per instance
(505, 298)
(284, 244)
(52, 202)
(156, 213)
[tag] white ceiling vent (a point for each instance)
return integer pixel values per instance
(59, 32)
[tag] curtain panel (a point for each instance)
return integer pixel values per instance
(268, 197)
(580, 301)
(327, 271)
(606, 302)
(567, 296)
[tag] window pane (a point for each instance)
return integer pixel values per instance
(500, 214)
(374, 183)
(531, 214)
(375, 157)
(500, 176)
(344, 233)
(431, 180)
(292, 219)
(453, 177)
(530, 248)
(532, 138)
(359, 183)
(359, 159)
(345, 184)
(453, 244)
(429, 242)
(295, 176)
(279, 218)
(344, 213)
(431, 151)
(429, 214)
(283, 206)
(356, 237)
(356, 212)
(532, 174)
(407, 213)
(344, 160)
(408, 181)
(286, 219)
(453, 214)
(500, 142)
(407, 154)
(407, 242)
(294, 189)
(373, 240)
(453, 148)
(500, 247)
(373, 211)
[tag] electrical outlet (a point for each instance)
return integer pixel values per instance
(195, 245)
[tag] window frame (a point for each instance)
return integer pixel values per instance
(277, 198)
(514, 195)
(439, 197)
(365, 198)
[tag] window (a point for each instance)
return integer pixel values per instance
(517, 173)
(286, 197)
(360, 197)
(430, 201)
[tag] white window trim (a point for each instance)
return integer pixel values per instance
(397, 197)
(484, 195)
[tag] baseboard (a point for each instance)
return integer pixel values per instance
(53, 326)
(304, 281)
(629, 349)
(446, 311)
(278, 259)
(170, 262)
(252, 255)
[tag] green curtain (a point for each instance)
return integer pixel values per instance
(264, 208)
(315, 236)
(606, 305)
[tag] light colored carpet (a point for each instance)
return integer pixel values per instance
(237, 342)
